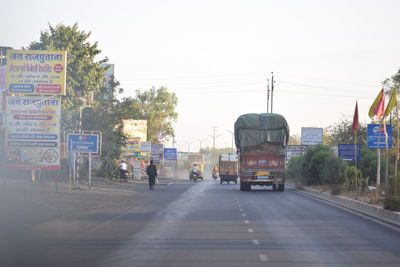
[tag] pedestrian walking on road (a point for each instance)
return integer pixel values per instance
(151, 171)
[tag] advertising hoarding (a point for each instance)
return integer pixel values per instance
(376, 135)
(33, 132)
(157, 152)
(135, 129)
(132, 145)
(294, 151)
(145, 147)
(36, 72)
(311, 136)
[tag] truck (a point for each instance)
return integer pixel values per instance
(261, 141)
(196, 166)
(228, 168)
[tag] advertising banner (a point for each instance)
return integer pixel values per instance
(294, 151)
(132, 145)
(157, 152)
(33, 132)
(376, 136)
(348, 151)
(36, 72)
(145, 147)
(311, 136)
(136, 129)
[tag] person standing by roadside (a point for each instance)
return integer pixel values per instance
(151, 171)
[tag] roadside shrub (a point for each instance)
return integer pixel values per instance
(392, 203)
(293, 170)
(350, 178)
(320, 165)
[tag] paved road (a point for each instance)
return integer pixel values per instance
(208, 224)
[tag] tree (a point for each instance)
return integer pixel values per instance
(84, 75)
(155, 106)
(294, 140)
(341, 133)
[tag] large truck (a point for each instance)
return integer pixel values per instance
(228, 168)
(196, 166)
(261, 141)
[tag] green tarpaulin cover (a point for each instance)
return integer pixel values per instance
(253, 129)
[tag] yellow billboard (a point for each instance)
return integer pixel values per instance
(135, 129)
(36, 72)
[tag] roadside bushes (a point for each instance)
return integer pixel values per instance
(319, 165)
(392, 203)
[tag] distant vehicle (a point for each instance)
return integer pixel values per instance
(196, 166)
(261, 140)
(228, 168)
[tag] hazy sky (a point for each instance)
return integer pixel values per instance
(217, 55)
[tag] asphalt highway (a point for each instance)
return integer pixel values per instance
(186, 224)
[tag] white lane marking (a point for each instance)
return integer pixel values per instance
(263, 257)
(244, 214)
(256, 242)
(246, 221)
(241, 209)
(250, 230)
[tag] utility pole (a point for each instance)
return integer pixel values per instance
(268, 96)
(272, 91)
(214, 136)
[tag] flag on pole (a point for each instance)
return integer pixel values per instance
(355, 119)
(378, 107)
(392, 103)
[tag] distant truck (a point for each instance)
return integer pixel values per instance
(228, 168)
(196, 166)
(261, 141)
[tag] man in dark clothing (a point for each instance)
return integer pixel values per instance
(151, 171)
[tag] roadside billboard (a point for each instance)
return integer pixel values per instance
(157, 152)
(33, 132)
(294, 151)
(376, 135)
(145, 147)
(36, 72)
(132, 145)
(311, 136)
(135, 129)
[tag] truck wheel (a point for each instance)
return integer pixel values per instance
(274, 187)
(242, 187)
(235, 181)
(248, 187)
(227, 181)
(281, 187)
(220, 181)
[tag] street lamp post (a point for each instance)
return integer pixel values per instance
(232, 136)
(188, 144)
(200, 141)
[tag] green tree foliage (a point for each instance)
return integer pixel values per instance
(294, 168)
(341, 133)
(84, 75)
(320, 165)
(157, 106)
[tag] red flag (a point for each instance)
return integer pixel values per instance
(379, 110)
(355, 119)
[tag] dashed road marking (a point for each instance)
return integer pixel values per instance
(244, 214)
(250, 230)
(256, 242)
(241, 209)
(246, 221)
(263, 257)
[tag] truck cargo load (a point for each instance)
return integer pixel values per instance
(261, 141)
(228, 168)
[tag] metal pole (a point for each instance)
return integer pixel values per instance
(268, 96)
(90, 170)
(272, 92)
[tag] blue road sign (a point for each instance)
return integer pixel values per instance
(376, 136)
(83, 143)
(348, 151)
(170, 154)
